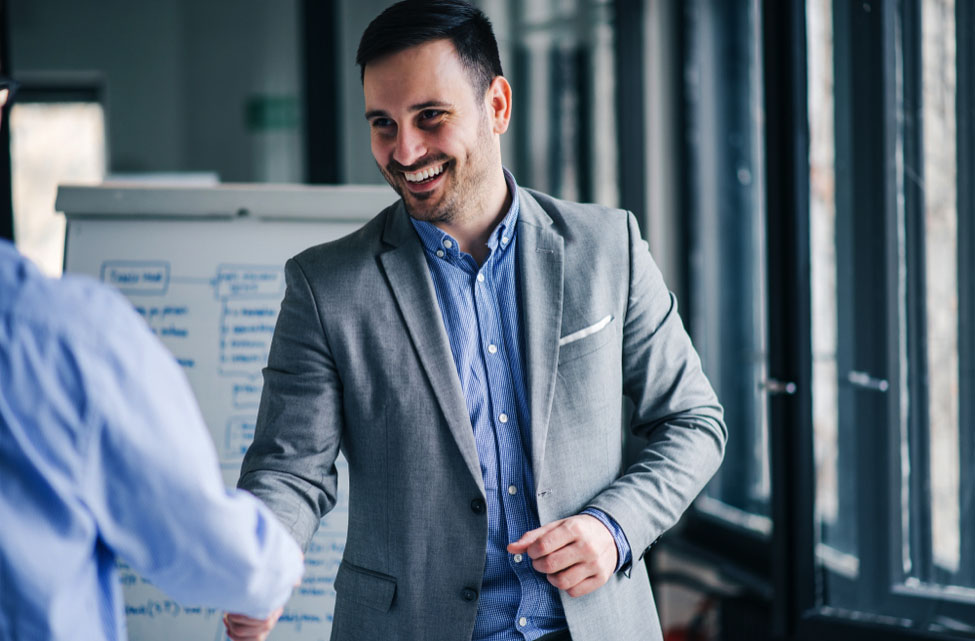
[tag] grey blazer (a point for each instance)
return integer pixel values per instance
(360, 362)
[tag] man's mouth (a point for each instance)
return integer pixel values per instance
(424, 175)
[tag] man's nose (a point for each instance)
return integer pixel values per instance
(409, 147)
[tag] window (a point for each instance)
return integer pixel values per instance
(57, 135)
(560, 62)
(856, 365)
(724, 196)
(890, 227)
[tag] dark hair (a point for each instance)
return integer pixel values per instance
(414, 22)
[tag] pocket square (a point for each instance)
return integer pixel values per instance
(585, 331)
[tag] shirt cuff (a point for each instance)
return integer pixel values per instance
(624, 556)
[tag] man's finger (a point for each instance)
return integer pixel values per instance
(519, 546)
(561, 559)
(586, 586)
(244, 628)
(571, 576)
(565, 533)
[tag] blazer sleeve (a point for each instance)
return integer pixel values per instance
(291, 463)
(675, 410)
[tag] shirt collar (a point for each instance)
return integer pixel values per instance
(442, 245)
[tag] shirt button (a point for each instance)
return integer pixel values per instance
(477, 506)
(503, 418)
(522, 622)
(493, 348)
(512, 490)
(518, 558)
(504, 240)
(439, 253)
(468, 594)
(480, 278)
(447, 243)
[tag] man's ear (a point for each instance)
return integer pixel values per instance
(498, 103)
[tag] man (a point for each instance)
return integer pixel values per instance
(103, 453)
(468, 350)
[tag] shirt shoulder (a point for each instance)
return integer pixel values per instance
(75, 308)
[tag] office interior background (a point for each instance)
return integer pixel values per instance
(804, 173)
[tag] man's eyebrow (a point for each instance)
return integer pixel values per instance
(428, 104)
(420, 106)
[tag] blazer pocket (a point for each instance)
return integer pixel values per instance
(586, 340)
(365, 587)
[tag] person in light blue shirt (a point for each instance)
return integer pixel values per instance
(104, 454)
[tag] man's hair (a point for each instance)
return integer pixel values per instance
(414, 22)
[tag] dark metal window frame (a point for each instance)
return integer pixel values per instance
(867, 192)
(6, 200)
(628, 18)
(744, 552)
(322, 82)
(965, 28)
(920, 533)
(867, 130)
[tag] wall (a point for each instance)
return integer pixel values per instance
(357, 164)
(178, 76)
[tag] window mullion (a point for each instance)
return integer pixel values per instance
(965, 34)
(871, 219)
(917, 472)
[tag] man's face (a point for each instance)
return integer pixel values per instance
(433, 137)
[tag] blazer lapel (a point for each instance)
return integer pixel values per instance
(409, 277)
(541, 263)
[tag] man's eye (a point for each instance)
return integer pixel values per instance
(381, 123)
(430, 114)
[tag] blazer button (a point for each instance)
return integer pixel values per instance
(477, 505)
(468, 594)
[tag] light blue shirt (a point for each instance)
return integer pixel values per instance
(479, 306)
(103, 452)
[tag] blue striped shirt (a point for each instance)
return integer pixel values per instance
(479, 306)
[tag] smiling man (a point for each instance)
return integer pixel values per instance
(468, 351)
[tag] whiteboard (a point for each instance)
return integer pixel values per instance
(205, 269)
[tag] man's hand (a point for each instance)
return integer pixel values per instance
(578, 553)
(244, 628)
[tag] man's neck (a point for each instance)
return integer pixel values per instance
(472, 232)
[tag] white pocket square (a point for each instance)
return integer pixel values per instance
(585, 331)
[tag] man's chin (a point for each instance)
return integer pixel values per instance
(425, 211)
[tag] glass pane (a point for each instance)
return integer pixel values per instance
(51, 144)
(834, 445)
(727, 243)
(941, 278)
(563, 140)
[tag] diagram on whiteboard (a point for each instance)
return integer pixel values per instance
(246, 299)
(211, 292)
(219, 326)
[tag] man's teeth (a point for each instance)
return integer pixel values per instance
(423, 174)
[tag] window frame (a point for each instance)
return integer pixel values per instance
(864, 65)
(727, 536)
(867, 131)
(965, 40)
(6, 180)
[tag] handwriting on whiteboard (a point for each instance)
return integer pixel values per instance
(219, 327)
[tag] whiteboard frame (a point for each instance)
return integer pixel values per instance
(354, 203)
